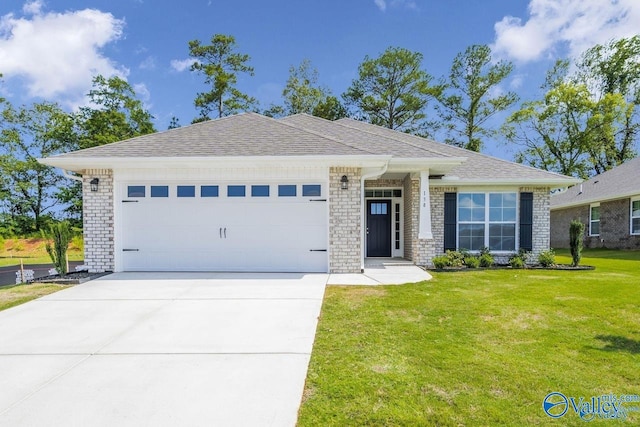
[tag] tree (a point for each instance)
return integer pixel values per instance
(554, 132)
(114, 114)
(220, 64)
(302, 94)
(466, 102)
(587, 122)
(331, 109)
(29, 133)
(391, 90)
(174, 123)
(612, 71)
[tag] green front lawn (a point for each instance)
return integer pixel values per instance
(477, 348)
(32, 251)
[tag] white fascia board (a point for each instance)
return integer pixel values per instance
(591, 200)
(77, 164)
(424, 163)
(546, 182)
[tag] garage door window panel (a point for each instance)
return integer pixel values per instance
(159, 191)
(259, 191)
(186, 191)
(285, 190)
(209, 191)
(236, 191)
(311, 190)
(136, 191)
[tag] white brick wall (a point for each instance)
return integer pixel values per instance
(97, 218)
(541, 219)
(345, 232)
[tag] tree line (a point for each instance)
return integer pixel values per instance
(584, 122)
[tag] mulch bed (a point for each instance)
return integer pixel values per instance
(73, 278)
(564, 267)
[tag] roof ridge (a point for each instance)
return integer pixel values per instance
(341, 123)
(304, 129)
(463, 150)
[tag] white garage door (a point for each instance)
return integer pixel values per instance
(231, 227)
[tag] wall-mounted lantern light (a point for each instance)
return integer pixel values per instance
(94, 184)
(344, 182)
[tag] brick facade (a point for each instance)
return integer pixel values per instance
(97, 219)
(541, 219)
(614, 226)
(345, 217)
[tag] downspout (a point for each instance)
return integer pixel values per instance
(363, 210)
(73, 177)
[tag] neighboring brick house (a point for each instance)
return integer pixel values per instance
(609, 206)
(252, 193)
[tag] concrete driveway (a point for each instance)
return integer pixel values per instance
(160, 349)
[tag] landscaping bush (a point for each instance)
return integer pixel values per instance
(441, 261)
(547, 258)
(456, 258)
(61, 235)
(576, 237)
(472, 262)
(486, 259)
(518, 260)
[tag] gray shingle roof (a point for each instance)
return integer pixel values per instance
(478, 166)
(254, 135)
(373, 142)
(621, 181)
(247, 134)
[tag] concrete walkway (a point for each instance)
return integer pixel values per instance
(161, 349)
(382, 273)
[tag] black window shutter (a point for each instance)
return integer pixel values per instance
(450, 207)
(526, 221)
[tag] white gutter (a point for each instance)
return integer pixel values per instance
(73, 177)
(363, 209)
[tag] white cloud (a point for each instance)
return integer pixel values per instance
(516, 82)
(149, 63)
(181, 64)
(382, 4)
(556, 27)
(57, 54)
(142, 92)
(33, 7)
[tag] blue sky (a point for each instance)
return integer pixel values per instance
(50, 49)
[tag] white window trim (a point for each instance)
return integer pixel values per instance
(486, 222)
(591, 221)
(631, 217)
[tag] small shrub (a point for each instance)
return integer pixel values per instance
(547, 258)
(440, 262)
(61, 235)
(486, 260)
(472, 262)
(516, 261)
(456, 258)
(576, 237)
(2, 242)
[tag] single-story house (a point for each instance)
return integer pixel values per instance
(301, 194)
(609, 206)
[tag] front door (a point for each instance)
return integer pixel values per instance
(378, 228)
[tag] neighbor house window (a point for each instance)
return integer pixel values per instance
(487, 219)
(635, 216)
(594, 220)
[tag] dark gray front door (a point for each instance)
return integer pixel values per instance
(378, 228)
